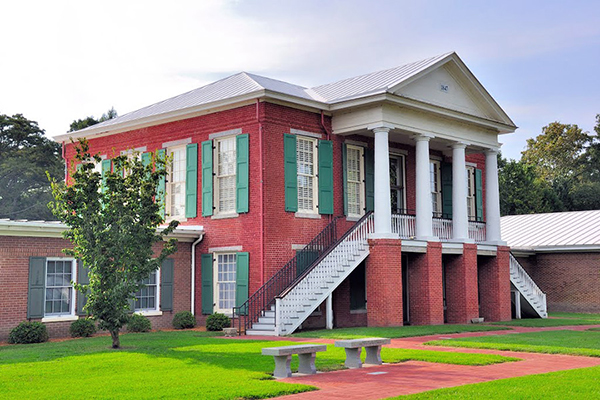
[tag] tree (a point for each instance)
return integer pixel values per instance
(25, 156)
(522, 191)
(79, 124)
(113, 221)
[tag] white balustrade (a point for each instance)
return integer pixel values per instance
(477, 231)
(442, 228)
(404, 225)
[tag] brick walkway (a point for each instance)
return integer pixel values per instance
(377, 382)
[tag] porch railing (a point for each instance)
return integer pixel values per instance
(442, 228)
(404, 225)
(477, 231)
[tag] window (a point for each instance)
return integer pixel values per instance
(176, 190)
(225, 177)
(435, 178)
(397, 184)
(147, 297)
(225, 282)
(471, 207)
(59, 290)
(355, 174)
(307, 175)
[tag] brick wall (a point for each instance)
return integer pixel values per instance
(425, 286)
(384, 283)
(461, 286)
(571, 281)
(15, 252)
(494, 286)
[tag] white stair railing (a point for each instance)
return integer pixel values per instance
(527, 287)
(297, 303)
(404, 225)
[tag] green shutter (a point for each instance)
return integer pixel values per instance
(207, 178)
(447, 190)
(207, 283)
(37, 287)
(369, 180)
(83, 279)
(241, 288)
(242, 147)
(291, 172)
(105, 168)
(325, 177)
(478, 195)
(345, 176)
(161, 191)
(166, 285)
(191, 180)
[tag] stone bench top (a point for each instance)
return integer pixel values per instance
(294, 349)
(364, 342)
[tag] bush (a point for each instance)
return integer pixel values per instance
(216, 322)
(184, 320)
(139, 323)
(28, 332)
(83, 327)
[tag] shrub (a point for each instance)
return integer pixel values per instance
(83, 327)
(216, 322)
(184, 320)
(139, 323)
(28, 332)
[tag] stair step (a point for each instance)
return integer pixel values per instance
(269, 314)
(266, 320)
(253, 332)
(263, 327)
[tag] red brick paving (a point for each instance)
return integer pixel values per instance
(417, 376)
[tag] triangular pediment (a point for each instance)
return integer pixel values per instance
(451, 85)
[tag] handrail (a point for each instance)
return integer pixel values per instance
(325, 254)
(251, 310)
(515, 265)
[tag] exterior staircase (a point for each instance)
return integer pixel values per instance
(528, 297)
(284, 311)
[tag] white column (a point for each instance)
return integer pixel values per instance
(383, 204)
(329, 312)
(492, 198)
(460, 217)
(424, 229)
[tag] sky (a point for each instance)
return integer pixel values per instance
(65, 60)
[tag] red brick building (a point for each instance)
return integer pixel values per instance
(561, 252)
(368, 201)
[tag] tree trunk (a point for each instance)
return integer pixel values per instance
(116, 343)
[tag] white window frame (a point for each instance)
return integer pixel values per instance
(226, 311)
(156, 309)
(402, 161)
(169, 184)
(71, 315)
(471, 189)
(435, 185)
(218, 178)
(360, 182)
(314, 176)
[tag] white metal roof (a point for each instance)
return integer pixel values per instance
(552, 231)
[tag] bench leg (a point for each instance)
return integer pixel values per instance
(353, 358)
(373, 355)
(307, 363)
(282, 366)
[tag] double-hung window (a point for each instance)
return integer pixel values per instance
(435, 180)
(397, 184)
(306, 155)
(59, 296)
(147, 298)
(355, 180)
(225, 282)
(176, 181)
(225, 176)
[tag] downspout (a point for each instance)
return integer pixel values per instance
(65, 159)
(193, 281)
(262, 203)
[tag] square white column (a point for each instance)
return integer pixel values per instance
(492, 199)
(460, 217)
(424, 229)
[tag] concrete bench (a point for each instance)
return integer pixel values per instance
(354, 347)
(283, 357)
(230, 332)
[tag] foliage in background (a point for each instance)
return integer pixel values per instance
(28, 332)
(184, 320)
(217, 321)
(83, 327)
(113, 221)
(138, 323)
(79, 124)
(25, 156)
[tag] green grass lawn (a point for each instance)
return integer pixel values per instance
(395, 332)
(585, 343)
(169, 365)
(573, 384)
(584, 316)
(546, 322)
